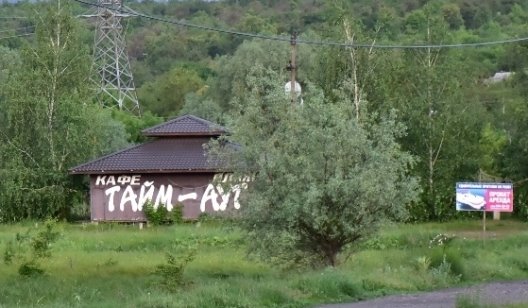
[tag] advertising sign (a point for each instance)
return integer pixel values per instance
(121, 197)
(493, 197)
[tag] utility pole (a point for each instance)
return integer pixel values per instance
(292, 65)
(112, 74)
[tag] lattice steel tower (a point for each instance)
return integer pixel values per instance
(111, 66)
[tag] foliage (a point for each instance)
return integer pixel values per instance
(155, 215)
(50, 123)
(324, 179)
(442, 274)
(441, 240)
(166, 95)
(185, 70)
(465, 301)
(330, 284)
(134, 124)
(377, 243)
(232, 71)
(204, 108)
(447, 263)
(171, 274)
(159, 215)
(442, 135)
(28, 251)
(88, 269)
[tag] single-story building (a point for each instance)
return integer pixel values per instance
(171, 169)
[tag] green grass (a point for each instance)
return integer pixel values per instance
(473, 301)
(111, 265)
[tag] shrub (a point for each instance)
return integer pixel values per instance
(443, 275)
(30, 269)
(28, 250)
(171, 274)
(380, 243)
(161, 216)
(439, 258)
(177, 214)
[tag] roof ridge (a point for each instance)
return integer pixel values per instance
(206, 126)
(162, 124)
(203, 121)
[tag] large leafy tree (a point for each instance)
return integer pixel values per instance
(444, 124)
(230, 77)
(507, 101)
(51, 123)
(323, 179)
(165, 96)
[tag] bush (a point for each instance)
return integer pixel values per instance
(381, 243)
(30, 269)
(439, 257)
(171, 274)
(28, 250)
(161, 216)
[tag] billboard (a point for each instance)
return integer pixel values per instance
(484, 197)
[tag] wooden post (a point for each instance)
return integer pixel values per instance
(496, 215)
(293, 43)
(483, 212)
(484, 221)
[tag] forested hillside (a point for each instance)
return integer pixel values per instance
(461, 125)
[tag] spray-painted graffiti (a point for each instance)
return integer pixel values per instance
(130, 192)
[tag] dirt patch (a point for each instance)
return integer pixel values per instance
(497, 293)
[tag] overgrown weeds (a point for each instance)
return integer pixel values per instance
(171, 273)
(207, 265)
(28, 250)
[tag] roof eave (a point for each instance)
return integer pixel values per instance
(192, 134)
(150, 171)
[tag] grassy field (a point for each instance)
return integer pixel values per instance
(109, 265)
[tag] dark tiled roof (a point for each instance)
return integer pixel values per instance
(158, 156)
(187, 125)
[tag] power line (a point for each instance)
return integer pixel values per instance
(16, 29)
(18, 35)
(188, 25)
(417, 46)
(308, 42)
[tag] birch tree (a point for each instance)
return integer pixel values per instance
(444, 124)
(52, 123)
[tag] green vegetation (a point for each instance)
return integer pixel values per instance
(315, 189)
(48, 122)
(27, 250)
(476, 302)
(109, 264)
(159, 215)
(327, 162)
(459, 125)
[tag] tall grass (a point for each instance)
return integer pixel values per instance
(111, 265)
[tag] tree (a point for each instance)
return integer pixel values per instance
(444, 124)
(324, 180)
(9, 62)
(165, 96)
(51, 123)
(452, 15)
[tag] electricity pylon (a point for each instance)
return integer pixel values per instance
(111, 67)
